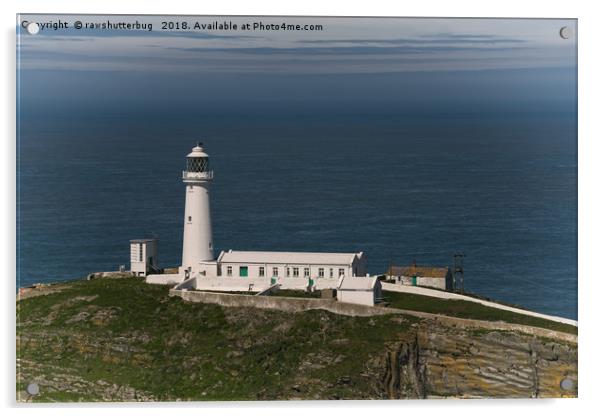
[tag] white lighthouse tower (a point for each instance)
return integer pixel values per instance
(197, 248)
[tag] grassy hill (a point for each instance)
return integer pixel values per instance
(121, 339)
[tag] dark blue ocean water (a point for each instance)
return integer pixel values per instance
(500, 189)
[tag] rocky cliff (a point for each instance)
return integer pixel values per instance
(436, 361)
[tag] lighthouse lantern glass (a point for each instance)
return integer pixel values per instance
(197, 164)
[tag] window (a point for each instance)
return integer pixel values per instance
(306, 272)
(219, 269)
(243, 271)
(288, 272)
(295, 272)
(197, 164)
(331, 273)
(341, 272)
(320, 272)
(189, 218)
(229, 271)
(275, 271)
(140, 252)
(261, 271)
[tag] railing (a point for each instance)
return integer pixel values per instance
(197, 175)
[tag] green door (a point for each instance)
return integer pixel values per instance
(414, 279)
(244, 271)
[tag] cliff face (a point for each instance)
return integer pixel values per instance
(442, 362)
(122, 340)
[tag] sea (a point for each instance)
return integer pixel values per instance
(402, 188)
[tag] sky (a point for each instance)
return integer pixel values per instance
(353, 63)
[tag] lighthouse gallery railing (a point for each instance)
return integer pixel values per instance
(197, 175)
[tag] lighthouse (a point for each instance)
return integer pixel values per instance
(243, 271)
(197, 247)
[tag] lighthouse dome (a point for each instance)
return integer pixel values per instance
(198, 151)
(197, 161)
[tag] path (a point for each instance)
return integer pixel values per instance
(415, 290)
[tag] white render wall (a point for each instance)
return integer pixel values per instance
(436, 282)
(225, 284)
(149, 256)
(164, 279)
(253, 270)
(241, 284)
(198, 239)
(361, 297)
(258, 284)
(327, 283)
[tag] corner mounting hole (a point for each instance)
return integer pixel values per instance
(32, 28)
(33, 389)
(566, 384)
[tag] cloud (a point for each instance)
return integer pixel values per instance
(352, 50)
(425, 40)
(417, 45)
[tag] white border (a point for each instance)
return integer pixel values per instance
(590, 180)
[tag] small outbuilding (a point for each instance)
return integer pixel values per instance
(360, 290)
(425, 276)
(143, 256)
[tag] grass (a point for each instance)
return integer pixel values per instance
(128, 333)
(469, 310)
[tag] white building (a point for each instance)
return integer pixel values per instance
(426, 276)
(197, 244)
(143, 256)
(278, 264)
(239, 270)
(363, 291)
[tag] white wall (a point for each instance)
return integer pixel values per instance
(232, 284)
(327, 283)
(164, 279)
(293, 283)
(253, 270)
(361, 297)
(434, 282)
(207, 269)
(437, 283)
(149, 249)
(198, 238)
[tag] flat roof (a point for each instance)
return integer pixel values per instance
(143, 240)
(287, 257)
(357, 283)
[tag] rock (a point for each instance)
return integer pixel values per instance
(344, 380)
(441, 362)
